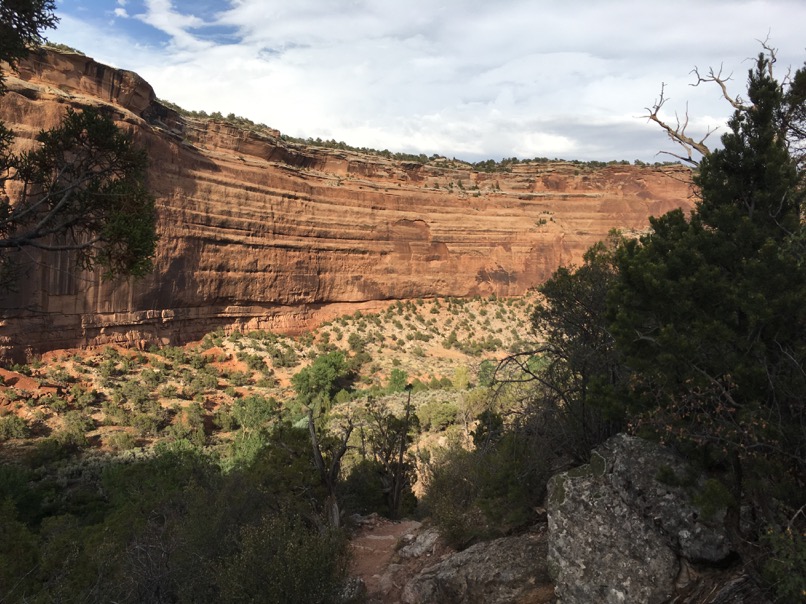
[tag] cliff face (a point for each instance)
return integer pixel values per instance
(269, 234)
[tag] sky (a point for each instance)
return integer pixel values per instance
(469, 79)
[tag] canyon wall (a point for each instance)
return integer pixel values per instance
(260, 232)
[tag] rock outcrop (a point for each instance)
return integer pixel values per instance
(506, 570)
(624, 528)
(260, 232)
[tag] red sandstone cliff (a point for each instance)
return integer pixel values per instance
(255, 230)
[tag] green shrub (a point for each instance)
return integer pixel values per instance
(197, 360)
(18, 551)
(133, 392)
(713, 497)
(121, 441)
(224, 420)
(281, 561)
(108, 369)
(169, 391)
(12, 426)
(486, 373)
(73, 431)
(23, 369)
(55, 402)
(283, 355)
(152, 378)
(174, 354)
(436, 416)
(214, 338)
(59, 375)
(254, 412)
(398, 379)
(146, 424)
(488, 492)
(114, 414)
(363, 489)
(785, 568)
(239, 378)
(203, 382)
(255, 362)
(83, 398)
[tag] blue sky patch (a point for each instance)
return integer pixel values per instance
(206, 10)
(102, 14)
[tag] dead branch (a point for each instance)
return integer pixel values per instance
(718, 79)
(771, 52)
(678, 132)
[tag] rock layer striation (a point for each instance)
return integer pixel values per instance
(260, 232)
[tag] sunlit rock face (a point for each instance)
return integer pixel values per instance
(259, 232)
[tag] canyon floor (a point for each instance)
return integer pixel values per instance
(438, 344)
(111, 403)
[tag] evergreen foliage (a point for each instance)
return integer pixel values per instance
(172, 527)
(695, 333)
(21, 25)
(579, 360)
(491, 490)
(82, 190)
(322, 379)
(708, 309)
(708, 314)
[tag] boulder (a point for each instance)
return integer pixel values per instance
(506, 570)
(619, 534)
(420, 544)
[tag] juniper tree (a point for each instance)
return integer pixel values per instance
(708, 308)
(82, 190)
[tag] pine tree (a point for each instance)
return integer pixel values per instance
(708, 309)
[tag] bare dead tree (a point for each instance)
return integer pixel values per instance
(677, 133)
(793, 118)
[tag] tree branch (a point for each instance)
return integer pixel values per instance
(719, 80)
(678, 132)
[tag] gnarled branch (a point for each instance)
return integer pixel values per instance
(678, 132)
(717, 78)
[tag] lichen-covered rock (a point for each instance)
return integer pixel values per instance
(618, 534)
(637, 469)
(503, 571)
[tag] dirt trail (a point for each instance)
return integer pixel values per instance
(373, 548)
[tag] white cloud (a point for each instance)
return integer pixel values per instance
(161, 15)
(463, 78)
